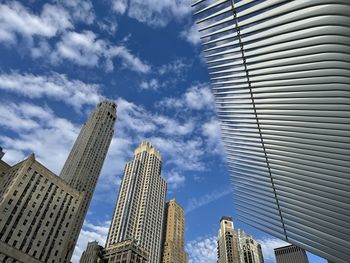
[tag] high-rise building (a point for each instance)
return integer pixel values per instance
(139, 211)
(84, 163)
(92, 254)
(127, 251)
(280, 72)
(249, 250)
(227, 242)
(174, 234)
(290, 254)
(37, 214)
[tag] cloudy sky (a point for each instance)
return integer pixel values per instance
(60, 57)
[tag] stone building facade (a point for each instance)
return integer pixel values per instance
(227, 242)
(37, 214)
(174, 234)
(125, 252)
(92, 254)
(290, 254)
(139, 211)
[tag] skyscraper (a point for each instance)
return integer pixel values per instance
(139, 211)
(227, 242)
(38, 211)
(92, 254)
(290, 254)
(249, 250)
(280, 76)
(84, 163)
(174, 234)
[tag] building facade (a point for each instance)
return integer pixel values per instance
(290, 254)
(127, 251)
(84, 163)
(139, 211)
(174, 234)
(249, 250)
(227, 242)
(37, 213)
(92, 254)
(279, 72)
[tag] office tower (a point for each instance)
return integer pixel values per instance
(139, 210)
(290, 254)
(92, 254)
(125, 252)
(280, 72)
(83, 165)
(249, 250)
(227, 242)
(174, 234)
(37, 213)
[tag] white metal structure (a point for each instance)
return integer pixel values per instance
(281, 77)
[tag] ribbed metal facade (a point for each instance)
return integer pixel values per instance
(280, 73)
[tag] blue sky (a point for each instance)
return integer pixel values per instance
(59, 58)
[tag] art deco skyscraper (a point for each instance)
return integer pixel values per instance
(249, 250)
(84, 163)
(227, 242)
(139, 210)
(174, 234)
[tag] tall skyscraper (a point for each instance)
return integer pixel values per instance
(174, 234)
(38, 211)
(290, 254)
(84, 163)
(280, 72)
(227, 242)
(139, 211)
(92, 254)
(249, 250)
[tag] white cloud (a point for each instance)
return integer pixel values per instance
(268, 244)
(86, 49)
(54, 86)
(155, 13)
(80, 10)
(177, 67)
(120, 6)
(129, 60)
(195, 203)
(211, 131)
(197, 97)
(16, 20)
(37, 130)
(153, 84)
(174, 150)
(174, 180)
(89, 233)
(202, 250)
(191, 35)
